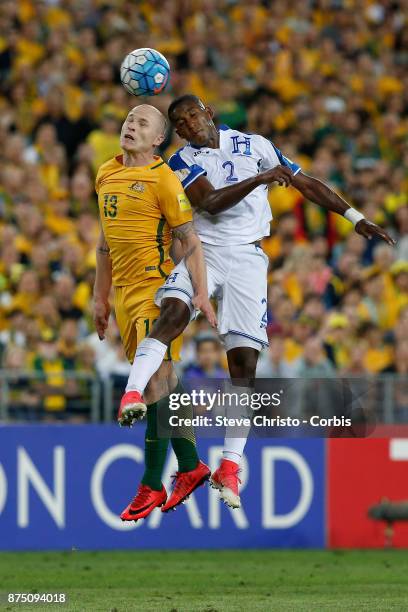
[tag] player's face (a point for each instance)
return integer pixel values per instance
(193, 123)
(141, 132)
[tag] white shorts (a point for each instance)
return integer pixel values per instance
(237, 279)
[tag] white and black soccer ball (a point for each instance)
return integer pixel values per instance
(145, 72)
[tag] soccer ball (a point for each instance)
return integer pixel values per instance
(145, 72)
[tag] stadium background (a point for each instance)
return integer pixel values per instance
(327, 81)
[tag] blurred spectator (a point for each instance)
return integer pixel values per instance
(68, 344)
(401, 221)
(208, 358)
(399, 287)
(104, 140)
(314, 363)
(272, 363)
(15, 333)
(356, 362)
(373, 306)
(337, 340)
(64, 291)
(28, 292)
(24, 400)
(109, 356)
(52, 386)
(188, 351)
(399, 366)
(378, 353)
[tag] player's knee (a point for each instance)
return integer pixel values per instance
(174, 318)
(242, 363)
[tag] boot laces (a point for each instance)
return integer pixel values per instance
(142, 495)
(182, 482)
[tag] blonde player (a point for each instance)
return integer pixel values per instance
(141, 205)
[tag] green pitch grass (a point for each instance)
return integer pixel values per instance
(205, 581)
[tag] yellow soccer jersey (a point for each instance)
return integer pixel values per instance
(137, 207)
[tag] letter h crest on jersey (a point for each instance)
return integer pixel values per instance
(243, 146)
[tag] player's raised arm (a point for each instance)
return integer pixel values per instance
(319, 193)
(203, 196)
(102, 286)
(195, 264)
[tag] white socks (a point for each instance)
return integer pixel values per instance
(149, 356)
(233, 454)
(236, 435)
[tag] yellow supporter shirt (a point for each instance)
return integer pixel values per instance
(377, 359)
(138, 206)
(62, 226)
(103, 145)
(292, 350)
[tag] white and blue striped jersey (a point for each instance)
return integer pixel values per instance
(239, 157)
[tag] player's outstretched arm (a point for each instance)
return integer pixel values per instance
(195, 263)
(203, 196)
(102, 286)
(319, 193)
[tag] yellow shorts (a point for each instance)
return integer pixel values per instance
(136, 312)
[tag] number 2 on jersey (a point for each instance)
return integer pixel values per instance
(231, 178)
(110, 205)
(264, 320)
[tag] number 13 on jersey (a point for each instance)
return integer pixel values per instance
(110, 205)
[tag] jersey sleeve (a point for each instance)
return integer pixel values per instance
(174, 203)
(272, 156)
(98, 181)
(185, 171)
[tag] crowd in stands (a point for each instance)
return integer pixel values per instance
(326, 80)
